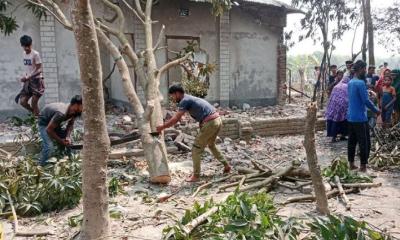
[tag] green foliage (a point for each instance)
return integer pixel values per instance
(341, 228)
(8, 24)
(387, 23)
(196, 75)
(241, 216)
(340, 167)
(220, 6)
(115, 187)
(36, 10)
(35, 190)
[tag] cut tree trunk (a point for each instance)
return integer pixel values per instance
(154, 147)
(312, 160)
(96, 143)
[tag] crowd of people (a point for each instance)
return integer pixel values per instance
(360, 100)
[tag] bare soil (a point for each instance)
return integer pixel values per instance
(144, 218)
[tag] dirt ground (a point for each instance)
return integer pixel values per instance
(144, 218)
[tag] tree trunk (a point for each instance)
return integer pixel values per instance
(312, 160)
(96, 144)
(371, 53)
(365, 33)
(154, 148)
(302, 74)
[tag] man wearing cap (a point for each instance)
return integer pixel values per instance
(210, 125)
(357, 116)
(349, 64)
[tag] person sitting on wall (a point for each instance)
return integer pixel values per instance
(56, 122)
(210, 125)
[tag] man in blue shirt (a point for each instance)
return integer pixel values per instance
(357, 116)
(210, 125)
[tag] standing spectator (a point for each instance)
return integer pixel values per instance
(379, 83)
(332, 74)
(349, 64)
(372, 78)
(336, 111)
(336, 80)
(388, 99)
(396, 85)
(357, 116)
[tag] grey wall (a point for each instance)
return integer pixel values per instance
(11, 65)
(200, 23)
(253, 60)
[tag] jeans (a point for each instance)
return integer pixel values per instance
(47, 145)
(359, 134)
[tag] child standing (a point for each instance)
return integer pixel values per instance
(33, 87)
(370, 114)
(387, 100)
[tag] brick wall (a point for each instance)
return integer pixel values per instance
(224, 58)
(49, 59)
(281, 68)
(140, 44)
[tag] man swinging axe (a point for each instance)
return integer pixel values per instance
(210, 125)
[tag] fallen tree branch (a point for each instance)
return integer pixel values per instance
(361, 185)
(310, 197)
(342, 194)
(188, 228)
(272, 178)
(242, 182)
(19, 233)
(204, 186)
(244, 170)
(257, 165)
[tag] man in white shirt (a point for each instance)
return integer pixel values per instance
(33, 87)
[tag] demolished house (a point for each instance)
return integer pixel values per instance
(245, 44)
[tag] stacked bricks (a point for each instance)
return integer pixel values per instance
(234, 129)
(245, 130)
(224, 58)
(49, 58)
(230, 128)
(140, 45)
(281, 68)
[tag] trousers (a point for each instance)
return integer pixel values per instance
(359, 134)
(206, 138)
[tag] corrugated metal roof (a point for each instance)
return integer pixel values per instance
(274, 3)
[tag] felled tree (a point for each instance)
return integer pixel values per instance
(387, 23)
(325, 21)
(144, 63)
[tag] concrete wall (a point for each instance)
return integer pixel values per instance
(253, 60)
(244, 44)
(200, 23)
(11, 64)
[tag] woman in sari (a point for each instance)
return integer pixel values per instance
(336, 111)
(396, 85)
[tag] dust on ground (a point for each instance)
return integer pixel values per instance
(144, 218)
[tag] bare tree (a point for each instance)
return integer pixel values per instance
(326, 19)
(96, 142)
